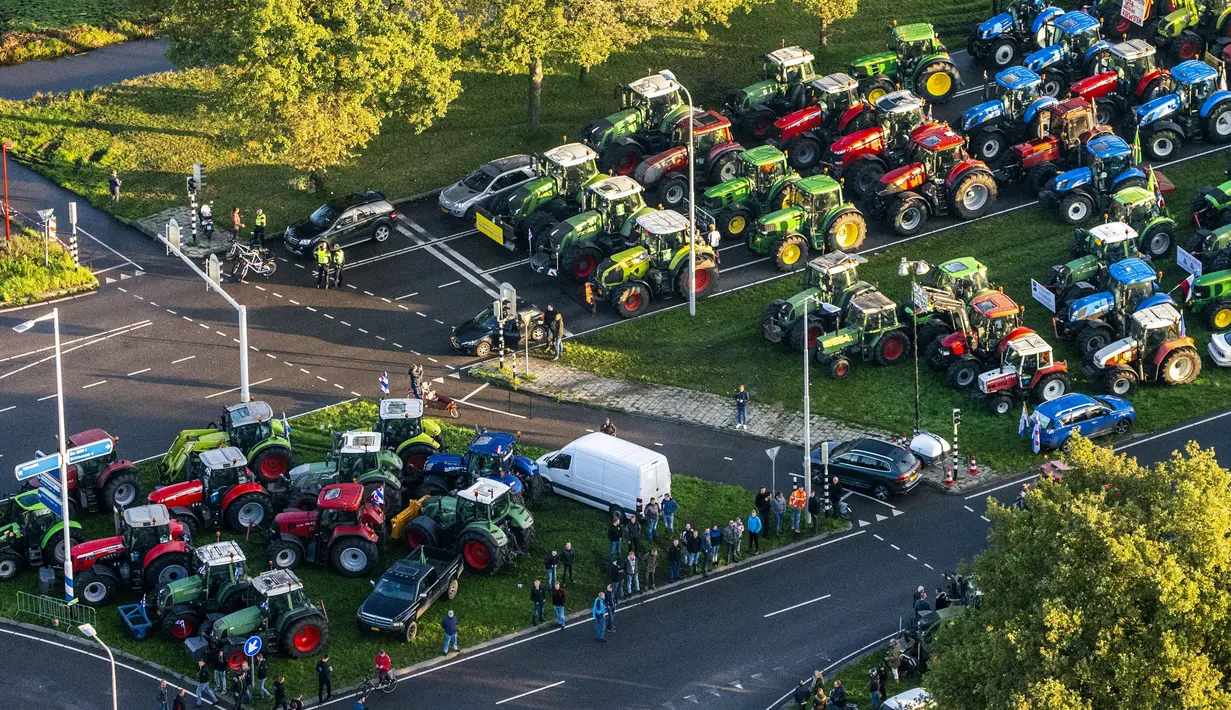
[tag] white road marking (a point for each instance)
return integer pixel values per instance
(108, 248)
(1161, 434)
(154, 304)
(439, 321)
(728, 458)
(235, 389)
(366, 293)
(322, 379)
(379, 337)
(119, 287)
(509, 265)
(416, 293)
(658, 443)
(361, 330)
(219, 332)
(310, 308)
(356, 394)
(67, 343)
(284, 362)
(1003, 485)
(259, 288)
(93, 384)
(183, 359)
(796, 606)
(203, 325)
(44, 399)
(985, 518)
(385, 299)
(397, 345)
(172, 312)
(293, 301)
(421, 314)
(916, 559)
(493, 411)
(928, 566)
(345, 323)
(878, 537)
(327, 316)
(139, 297)
(298, 266)
(461, 262)
(433, 359)
(8, 408)
(138, 372)
(304, 371)
(895, 547)
(271, 356)
(740, 266)
(478, 390)
(403, 307)
(338, 385)
(83, 342)
(276, 294)
(530, 692)
(874, 500)
(187, 318)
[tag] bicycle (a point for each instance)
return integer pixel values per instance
(372, 682)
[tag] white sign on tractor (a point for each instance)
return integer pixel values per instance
(1042, 295)
(1135, 11)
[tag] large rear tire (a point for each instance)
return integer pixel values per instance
(122, 489)
(864, 178)
(272, 463)
(480, 553)
(581, 264)
(421, 532)
(97, 585)
(415, 457)
(1218, 124)
(706, 279)
(1181, 366)
(672, 191)
(1158, 240)
(53, 551)
(622, 159)
(284, 554)
(804, 152)
(937, 82)
(180, 622)
(798, 331)
(974, 194)
(1050, 387)
(251, 510)
(988, 146)
(305, 636)
(892, 348)
(166, 569)
(963, 373)
(354, 556)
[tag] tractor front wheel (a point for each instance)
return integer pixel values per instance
(1054, 83)
(53, 551)
(963, 373)
(1158, 239)
(169, 567)
(1050, 387)
(934, 356)
(792, 250)
(1218, 317)
(284, 554)
(846, 232)
(999, 405)
(354, 556)
(804, 152)
(1092, 339)
(734, 223)
(1181, 366)
(937, 82)
(974, 194)
(1004, 53)
(180, 622)
(632, 300)
(121, 489)
(673, 191)
(724, 168)
(878, 87)
(1121, 382)
(421, 534)
(988, 146)
(10, 565)
(251, 510)
(892, 348)
(1218, 123)
(908, 215)
(840, 368)
(581, 264)
(706, 279)
(1162, 144)
(622, 159)
(1040, 176)
(272, 463)
(864, 177)
(305, 636)
(1076, 207)
(1187, 46)
(480, 552)
(97, 585)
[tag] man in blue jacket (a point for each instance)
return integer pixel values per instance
(599, 612)
(449, 624)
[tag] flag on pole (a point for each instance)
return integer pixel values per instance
(384, 382)
(1023, 422)
(1156, 189)
(1035, 445)
(1186, 287)
(1137, 145)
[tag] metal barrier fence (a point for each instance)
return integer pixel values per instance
(52, 610)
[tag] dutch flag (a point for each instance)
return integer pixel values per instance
(378, 497)
(384, 382)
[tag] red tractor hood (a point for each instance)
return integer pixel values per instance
(85, 554)
(796, 122)
(907, 177)
(668, 158)
(861, 141)
(1093, 87)
(178, 494)
(300, 523)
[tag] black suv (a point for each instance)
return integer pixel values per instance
(873, 465)
(347, 221)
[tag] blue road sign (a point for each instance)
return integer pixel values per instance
(43, 464)
(52, 501)
(92, 450)
(50, 482)
(30, 469)
(252, 646)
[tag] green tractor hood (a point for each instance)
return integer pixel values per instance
(727, 192)
(237, 624)
(189, 441)
(181, 591)
(623, 123)
(872, 64)
(839, 340)
(756, 94)
(783, 221)
(797, 301)
(1082, 268)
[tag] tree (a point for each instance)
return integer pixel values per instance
(828, 12)
(1112, 590)
(311, 81)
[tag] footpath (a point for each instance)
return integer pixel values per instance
(769, 421)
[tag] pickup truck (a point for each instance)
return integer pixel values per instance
(407, 590)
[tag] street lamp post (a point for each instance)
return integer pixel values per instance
(54, 317)
(89, 632)
(692, 200)
(4, 150)
(808, 420)
(915, 269)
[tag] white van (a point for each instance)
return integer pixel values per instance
(605, 472)
(916, 699)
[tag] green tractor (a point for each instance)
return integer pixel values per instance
(760, 187)
(282, 616)
(403, 429)
(1107, 243)
(563, 173)
(943, 290)
(1212, 247)
(1211, 206)
(481, 521)
(657, 267)
(356, 457)
(573, 248)
(870, 332)
(649, 109)
(830, 282)
(250, 427)
(1139, 208)
(1192, 27)
(918, 61)
(1211, 293)
(816, 218)
(220, 585)
(30, 534)
(785, 74)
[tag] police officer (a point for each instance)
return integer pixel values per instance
(339, 258)
(258, 228)
(322, 265)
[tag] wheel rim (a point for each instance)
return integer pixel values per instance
(482, 349)
(539, 333)
(285, 558)
(1181, 369)
(307, 638)
(476, 555)
(990, 149)
(416, 461)
(674, 194)
(893, 349)
(975, 197)
(171, 573)
(789, 254)
(415, 539)
(585, 266)
(1003, 55)
(353, 559)
(1188, 50)
(57, 552)
(847, 235)
(125, 493)
(911, 218)
(1162, 146)
(701, 280)
(867, 181)
(1223, 125)
(632, 302)
(1103, 115)
(1051, 88)
(805, 153)
(939, 84)
(736, 224)
(273, 466)
(1159, 244)
(875, 94)
(382, 233)
(1122, 426)
(964, 377)
(1078, 211)
(1002, 407)
(251, 515)
(94, 592)
(1121, 386)
(1222, 318)
(628, 163)
(881, 493)
(727, 171)
(1095, 343)
(8, 568)
(1053, 389)
(182, 629)
(840, 369)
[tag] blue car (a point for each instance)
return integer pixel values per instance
(1082, 414)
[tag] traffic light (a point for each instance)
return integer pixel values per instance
(506, 310)
(957, 416)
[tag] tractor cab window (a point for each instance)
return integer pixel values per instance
(659, 106)
(499, 508)
(1199, 91)
(467, 511)
(1132, 294)
(1080, 42)
(768, 175)
(705, 142)
(146, 538)
(914, 50)
(399, 430)
(822, 202)
(278, 605)
(246, 436)
(484, 466)
(996, 328)
(36, 519)
(220, 480)
(1107, 168)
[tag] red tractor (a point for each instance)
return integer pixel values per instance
(101, 484)
(835, 108)
(666, 174)
(862, 157)
(1127, 76)
(342, 532)
(221, 491)
(1027, 370)
(940, 177)
(1060, 135)
(149, 549)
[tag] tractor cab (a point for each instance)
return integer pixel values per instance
(788, 66)
(1068, 121)
(815, 195)
(1131, 60)
(1112, 242)
(661, 234)
(1025, 357)
(400, 420)
(27, 512)
(248, 424)
(219, 564)
(571, 166)
(899, 113)
(615, 199)
(486, 501)
(764, 166)
(1016, 88)
(993, 316)
(832, 92)
(1133, 205)
(1196, 80)
(357, 452)
(655, 97)
(144, 527)
(709, 130)
(914, 42)
(1076, 32)
(964, 278)
(833, 274)
(1130, 282)
(1107, 156)
(342, 504)
(220, 470)
(871, 314)
(280, 592)
(939, 151)
(490, 456)
(1151, 328)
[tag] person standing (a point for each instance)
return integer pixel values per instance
(669, 508)
(797, 506)
(324, 686)
(652, 513)
(615, 535)
(754, 533)
(608, 427)
(715, 545)
(921, 604)
(339, 259)
(778, 505)
(280, 694)
(203, 673)
(258, 228)
(715, 238)
(835, 497)
(632, 578)
(882, 677)
(894, 658)
(692, 543)
(113, 186)
(651, 568)
(739, 538)
(942, 600)
(558, 336)
(262, 672)
(449, 624)
(728, 540)
(707, 549)
(674, 557)
(239, 689)
(741, 408)
(762, 503)
(557, 603)
(591, 301)
(237, 224)
(220, 671)
(181, 701)
(538, 598)
(163, 696)
(838, 697)
(617, 580)
(874, 690)
(634, 535)
(815, 509)
(598, 611)
(322, 265)
(567, 557)
(613, 600)
(801, 693)
(552, 563)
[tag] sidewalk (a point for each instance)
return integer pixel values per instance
(769, 421)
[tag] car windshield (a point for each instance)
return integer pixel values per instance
(394, 589)
(323, 216)
(478, 180)
(485, 319)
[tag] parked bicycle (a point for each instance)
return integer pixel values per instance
(256, 259)
(372, 682)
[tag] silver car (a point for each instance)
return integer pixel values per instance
(479, 188)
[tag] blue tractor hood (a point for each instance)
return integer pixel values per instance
(1070, 179)
(980, 114)
(1131, 271)
(1036, 106)
(995, 26)
(1046, 15)
(1041, 59)
(1157, 109)
(1091, 307)
(1157, 300)
(444, 463)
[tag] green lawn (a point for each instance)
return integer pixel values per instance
(45, 29)
(488, 607)
(152, 130)
(713, 352)
(27, 276)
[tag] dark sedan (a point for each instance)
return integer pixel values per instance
(481, 334)
(881, 468)
(407, 589)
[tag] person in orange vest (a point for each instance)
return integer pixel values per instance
(798, 499)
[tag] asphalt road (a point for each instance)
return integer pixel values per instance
(99, 67)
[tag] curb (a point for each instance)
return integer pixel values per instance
(79, 294)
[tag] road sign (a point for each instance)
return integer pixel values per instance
(1042, 295)
(1187, 261)
(51, 500)
(252, 646)
(50, 482)
(77, 454)
(30, 469)
(92, 450)
(772, 452)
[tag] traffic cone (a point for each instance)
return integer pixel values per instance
(973, 470)
(948, 475)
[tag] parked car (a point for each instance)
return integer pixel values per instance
(1077, 413)
(607, 472)
(407, 590)
(349, 220)
(489, 182)
(481, 335)
(882, 468)
(1220, 349)
(915, 699)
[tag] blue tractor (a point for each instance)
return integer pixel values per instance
(1108, 166)
(1095, 320)
(489, 455)
(1072, 47)
(1198, 110)
(1000, 41)
(1013, 102)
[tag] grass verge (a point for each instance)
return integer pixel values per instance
(488, 607)
(713, 352)
(46, 29)
(25, 277)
